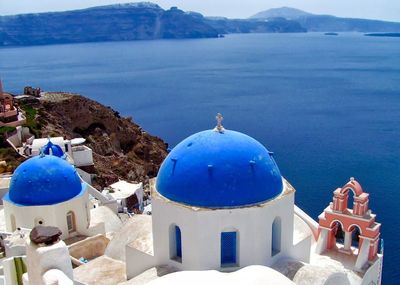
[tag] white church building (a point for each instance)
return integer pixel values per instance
(46, 190)
(222, 206)
(221, 214)
(220, 203)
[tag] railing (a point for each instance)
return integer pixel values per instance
(308, 220)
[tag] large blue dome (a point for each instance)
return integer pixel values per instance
(44, 180)
(219, 170)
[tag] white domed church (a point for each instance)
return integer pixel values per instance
(220, 203)
(222, 200)
(46, 190)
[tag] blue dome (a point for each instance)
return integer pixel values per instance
(219, 170)
(52, 149)
(44, 180)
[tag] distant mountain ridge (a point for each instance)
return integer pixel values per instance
(284, 12)
(327, 23)
(122, 22)
(276, 25)
(147, 21)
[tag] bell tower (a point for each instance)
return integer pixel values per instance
(358, 222)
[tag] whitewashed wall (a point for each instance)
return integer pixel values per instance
(374, 272)
(82, 156)
(201, 231)
(51, 215)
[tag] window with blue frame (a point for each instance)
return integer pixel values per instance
(178, 240)
(175, 243)
(228, 249)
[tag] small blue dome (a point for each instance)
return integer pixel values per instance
(219, 170)
(52, 149)
(44, 180)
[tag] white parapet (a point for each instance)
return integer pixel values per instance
(322, 241)
(104, 200)
(82, 155)
(55, 276)
(362, 258)
(41, 259)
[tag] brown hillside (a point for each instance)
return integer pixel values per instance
(121, 148)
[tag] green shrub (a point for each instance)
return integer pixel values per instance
(31, 119)
(6, 129)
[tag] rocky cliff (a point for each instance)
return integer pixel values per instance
(122, 22)
(125, 22)
(121, 148)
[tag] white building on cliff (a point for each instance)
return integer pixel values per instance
(220, 203)
(221, 214)
(46, 190)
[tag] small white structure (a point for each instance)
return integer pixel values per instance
(48, 264)
(38, 145)
(81, 155)
(76, 153)
(4, 184)
(46, 190)
(122, 191)
(27, 145)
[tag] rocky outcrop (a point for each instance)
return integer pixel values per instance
(127, 22)
(121, 22)
(121, 148)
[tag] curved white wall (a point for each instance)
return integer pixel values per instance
(201, 232)
(51, 215)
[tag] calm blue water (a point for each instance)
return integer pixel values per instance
(329, 107)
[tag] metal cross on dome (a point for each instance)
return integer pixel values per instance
(219, 128)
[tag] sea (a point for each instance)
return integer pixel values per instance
(327, 106)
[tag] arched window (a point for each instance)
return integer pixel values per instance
(71, 224)
(175, 243)
(229, 243)
(350, 199)
(355, 236)
(276, 237)
(338, 232)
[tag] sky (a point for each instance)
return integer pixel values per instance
(371, 9)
